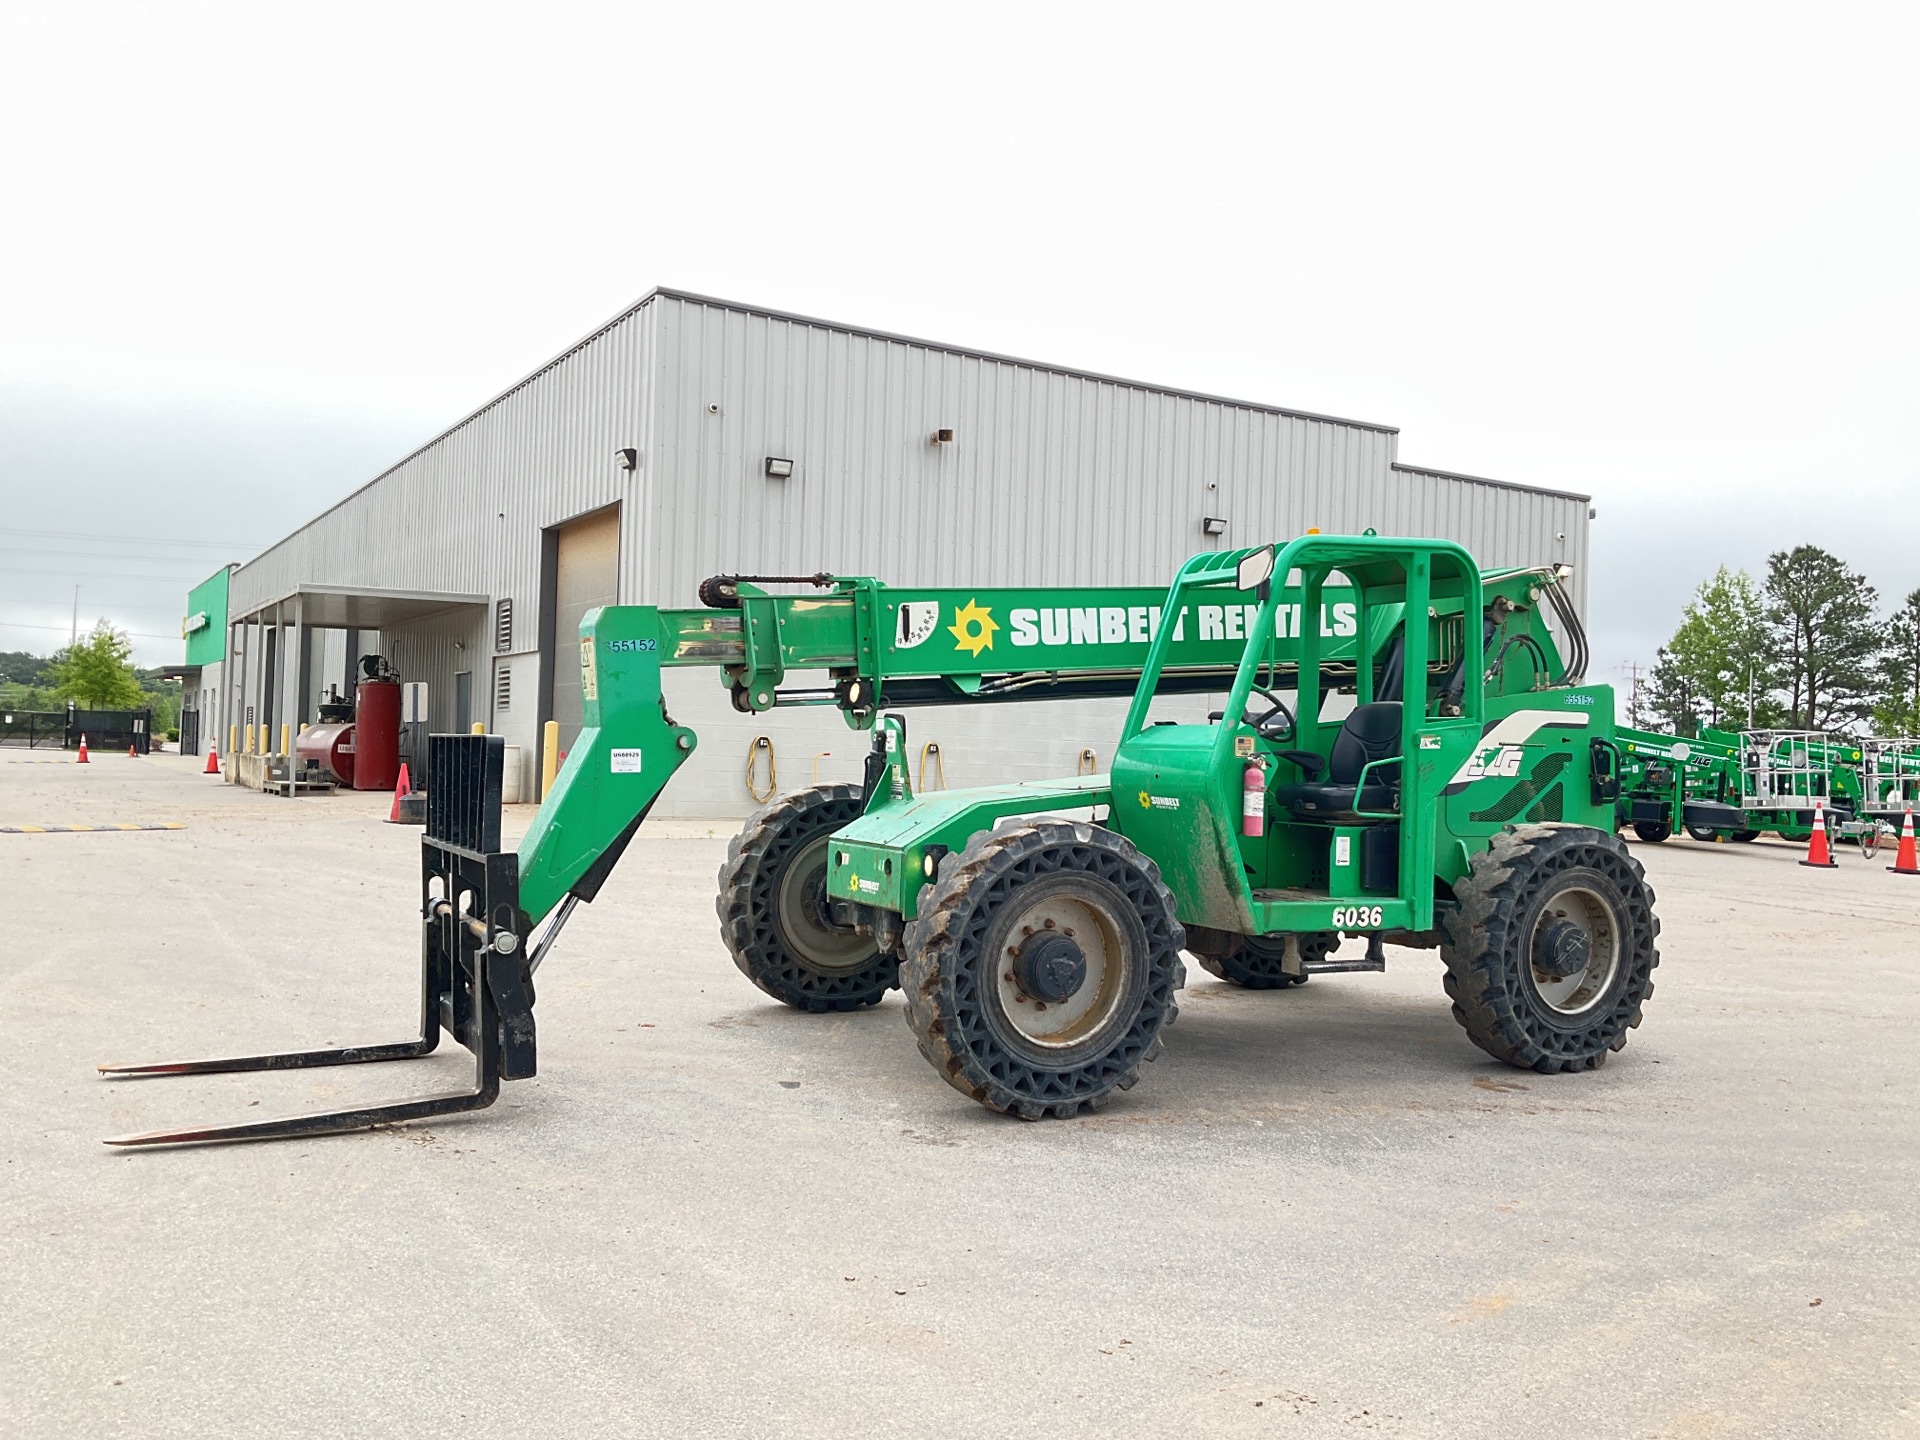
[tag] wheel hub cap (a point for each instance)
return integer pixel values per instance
(1050, 967)
(1561, 949)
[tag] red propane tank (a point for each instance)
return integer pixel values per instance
(1253, 798)
(376, 735)
(328, 746)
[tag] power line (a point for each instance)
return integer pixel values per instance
(23, 625)
(102, 574)
(38, 602)
(36, 548)
(137, 539)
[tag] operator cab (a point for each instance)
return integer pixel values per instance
(1324, 847)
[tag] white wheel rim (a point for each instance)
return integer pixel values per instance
(1581, 991)
(1060, 1025)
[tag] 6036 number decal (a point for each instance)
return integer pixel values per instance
(1357, 917)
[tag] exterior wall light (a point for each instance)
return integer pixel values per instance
(627, 459)
(778, 469)
(942, 436)
(1214, 525)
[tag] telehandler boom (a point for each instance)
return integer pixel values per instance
(1396, 821)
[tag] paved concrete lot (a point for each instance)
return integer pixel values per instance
(1322, 1212)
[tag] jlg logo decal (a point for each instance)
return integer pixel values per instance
(1503, 762)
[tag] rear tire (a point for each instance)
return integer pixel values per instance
(1550, 951)
(1256, 965)
(1043, 967)
(775, 916)
(1652, 831)
(1744, 837)
(1705, 834)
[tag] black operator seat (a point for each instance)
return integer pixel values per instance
(1371, 732)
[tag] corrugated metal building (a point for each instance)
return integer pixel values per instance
(635, 464)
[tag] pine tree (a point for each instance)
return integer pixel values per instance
(1898, 711)
(1825, 640)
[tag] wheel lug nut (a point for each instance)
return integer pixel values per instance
(1049, 924)
(1008, 977)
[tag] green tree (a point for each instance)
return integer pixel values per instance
(1898, 710)
(95, 674)
(1719, 656)
(1825, 640)
(23, 667)
(163, 699)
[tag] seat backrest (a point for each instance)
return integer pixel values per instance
(1371, 732)
(1394, 673)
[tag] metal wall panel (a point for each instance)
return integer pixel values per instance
(1054, 477)
(465, 512)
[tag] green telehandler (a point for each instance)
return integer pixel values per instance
(1403, 756)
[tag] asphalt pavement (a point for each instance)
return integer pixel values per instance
(1321, 1212)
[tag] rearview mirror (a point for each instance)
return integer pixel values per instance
(1256, 569)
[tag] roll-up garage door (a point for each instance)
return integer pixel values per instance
(586, 574)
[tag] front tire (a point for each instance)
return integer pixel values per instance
(1257, 964)
(1652, 831)
(775, 916)
(1705, 834)
(1550, 951)
(1042, 968)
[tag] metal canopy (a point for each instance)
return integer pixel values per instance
(359, 607)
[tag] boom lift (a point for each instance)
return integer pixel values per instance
(1736, 785)
(1547, 926)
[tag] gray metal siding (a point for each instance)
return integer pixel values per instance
(465, 513)
(1501, 525)
(1052, 476)
(1055, 477)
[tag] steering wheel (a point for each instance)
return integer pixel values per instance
(1264, 725)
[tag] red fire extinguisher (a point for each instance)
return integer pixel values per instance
(1253, 797)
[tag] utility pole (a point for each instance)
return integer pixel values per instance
(1634, 716)
(75, 639)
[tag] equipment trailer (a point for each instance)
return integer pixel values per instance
(1463, 803)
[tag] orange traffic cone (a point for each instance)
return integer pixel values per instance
(132, 753)
(83, 751)
(401, 787)
(1818, 854)
(1906, 860)
(213, 762)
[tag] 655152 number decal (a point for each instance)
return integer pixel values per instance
(1356, 917)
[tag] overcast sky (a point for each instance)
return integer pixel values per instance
(1666, 255)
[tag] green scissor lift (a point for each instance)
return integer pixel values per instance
(1465, 800)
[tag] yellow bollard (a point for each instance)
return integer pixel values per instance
(549, 755)
(233, 739)
(286, 739)
(249, 738)
(479, 727)
(303, 727)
